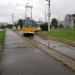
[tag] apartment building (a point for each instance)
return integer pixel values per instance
(69, 21)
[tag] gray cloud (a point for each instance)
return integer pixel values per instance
(59, 8)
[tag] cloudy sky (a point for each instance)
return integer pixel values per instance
(59, 8)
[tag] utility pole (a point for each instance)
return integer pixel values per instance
(12, 18)
(45, 17)
(49, 14)
(58, 22)
(26, 11)
(31, 13)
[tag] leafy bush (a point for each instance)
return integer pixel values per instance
(10, 26)
(61, 26)
(44, 26)
(2, 27)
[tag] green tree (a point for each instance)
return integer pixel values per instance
(54, 23)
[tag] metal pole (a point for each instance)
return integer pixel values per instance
(12, 18)
(45, 16)
(49, 14)
(31, 12)
(49, 17)
(26, 12)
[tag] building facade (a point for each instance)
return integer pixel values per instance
(69, 21)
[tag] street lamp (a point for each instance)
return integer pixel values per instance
(49, 14)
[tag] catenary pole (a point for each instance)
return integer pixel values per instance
(49, 14)
(12, 18)
(45, 16)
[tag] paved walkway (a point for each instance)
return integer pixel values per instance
(22, 58)
(60, 47)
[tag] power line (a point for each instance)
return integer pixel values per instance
(26, 6)
(30, 8)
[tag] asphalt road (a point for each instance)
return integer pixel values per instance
(22, 58)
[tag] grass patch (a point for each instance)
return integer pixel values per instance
(59, 34)
(2, 35)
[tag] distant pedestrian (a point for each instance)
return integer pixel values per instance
(21, 23)
(16, 25)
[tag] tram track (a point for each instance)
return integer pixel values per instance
(33, 39)
(64, 59)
